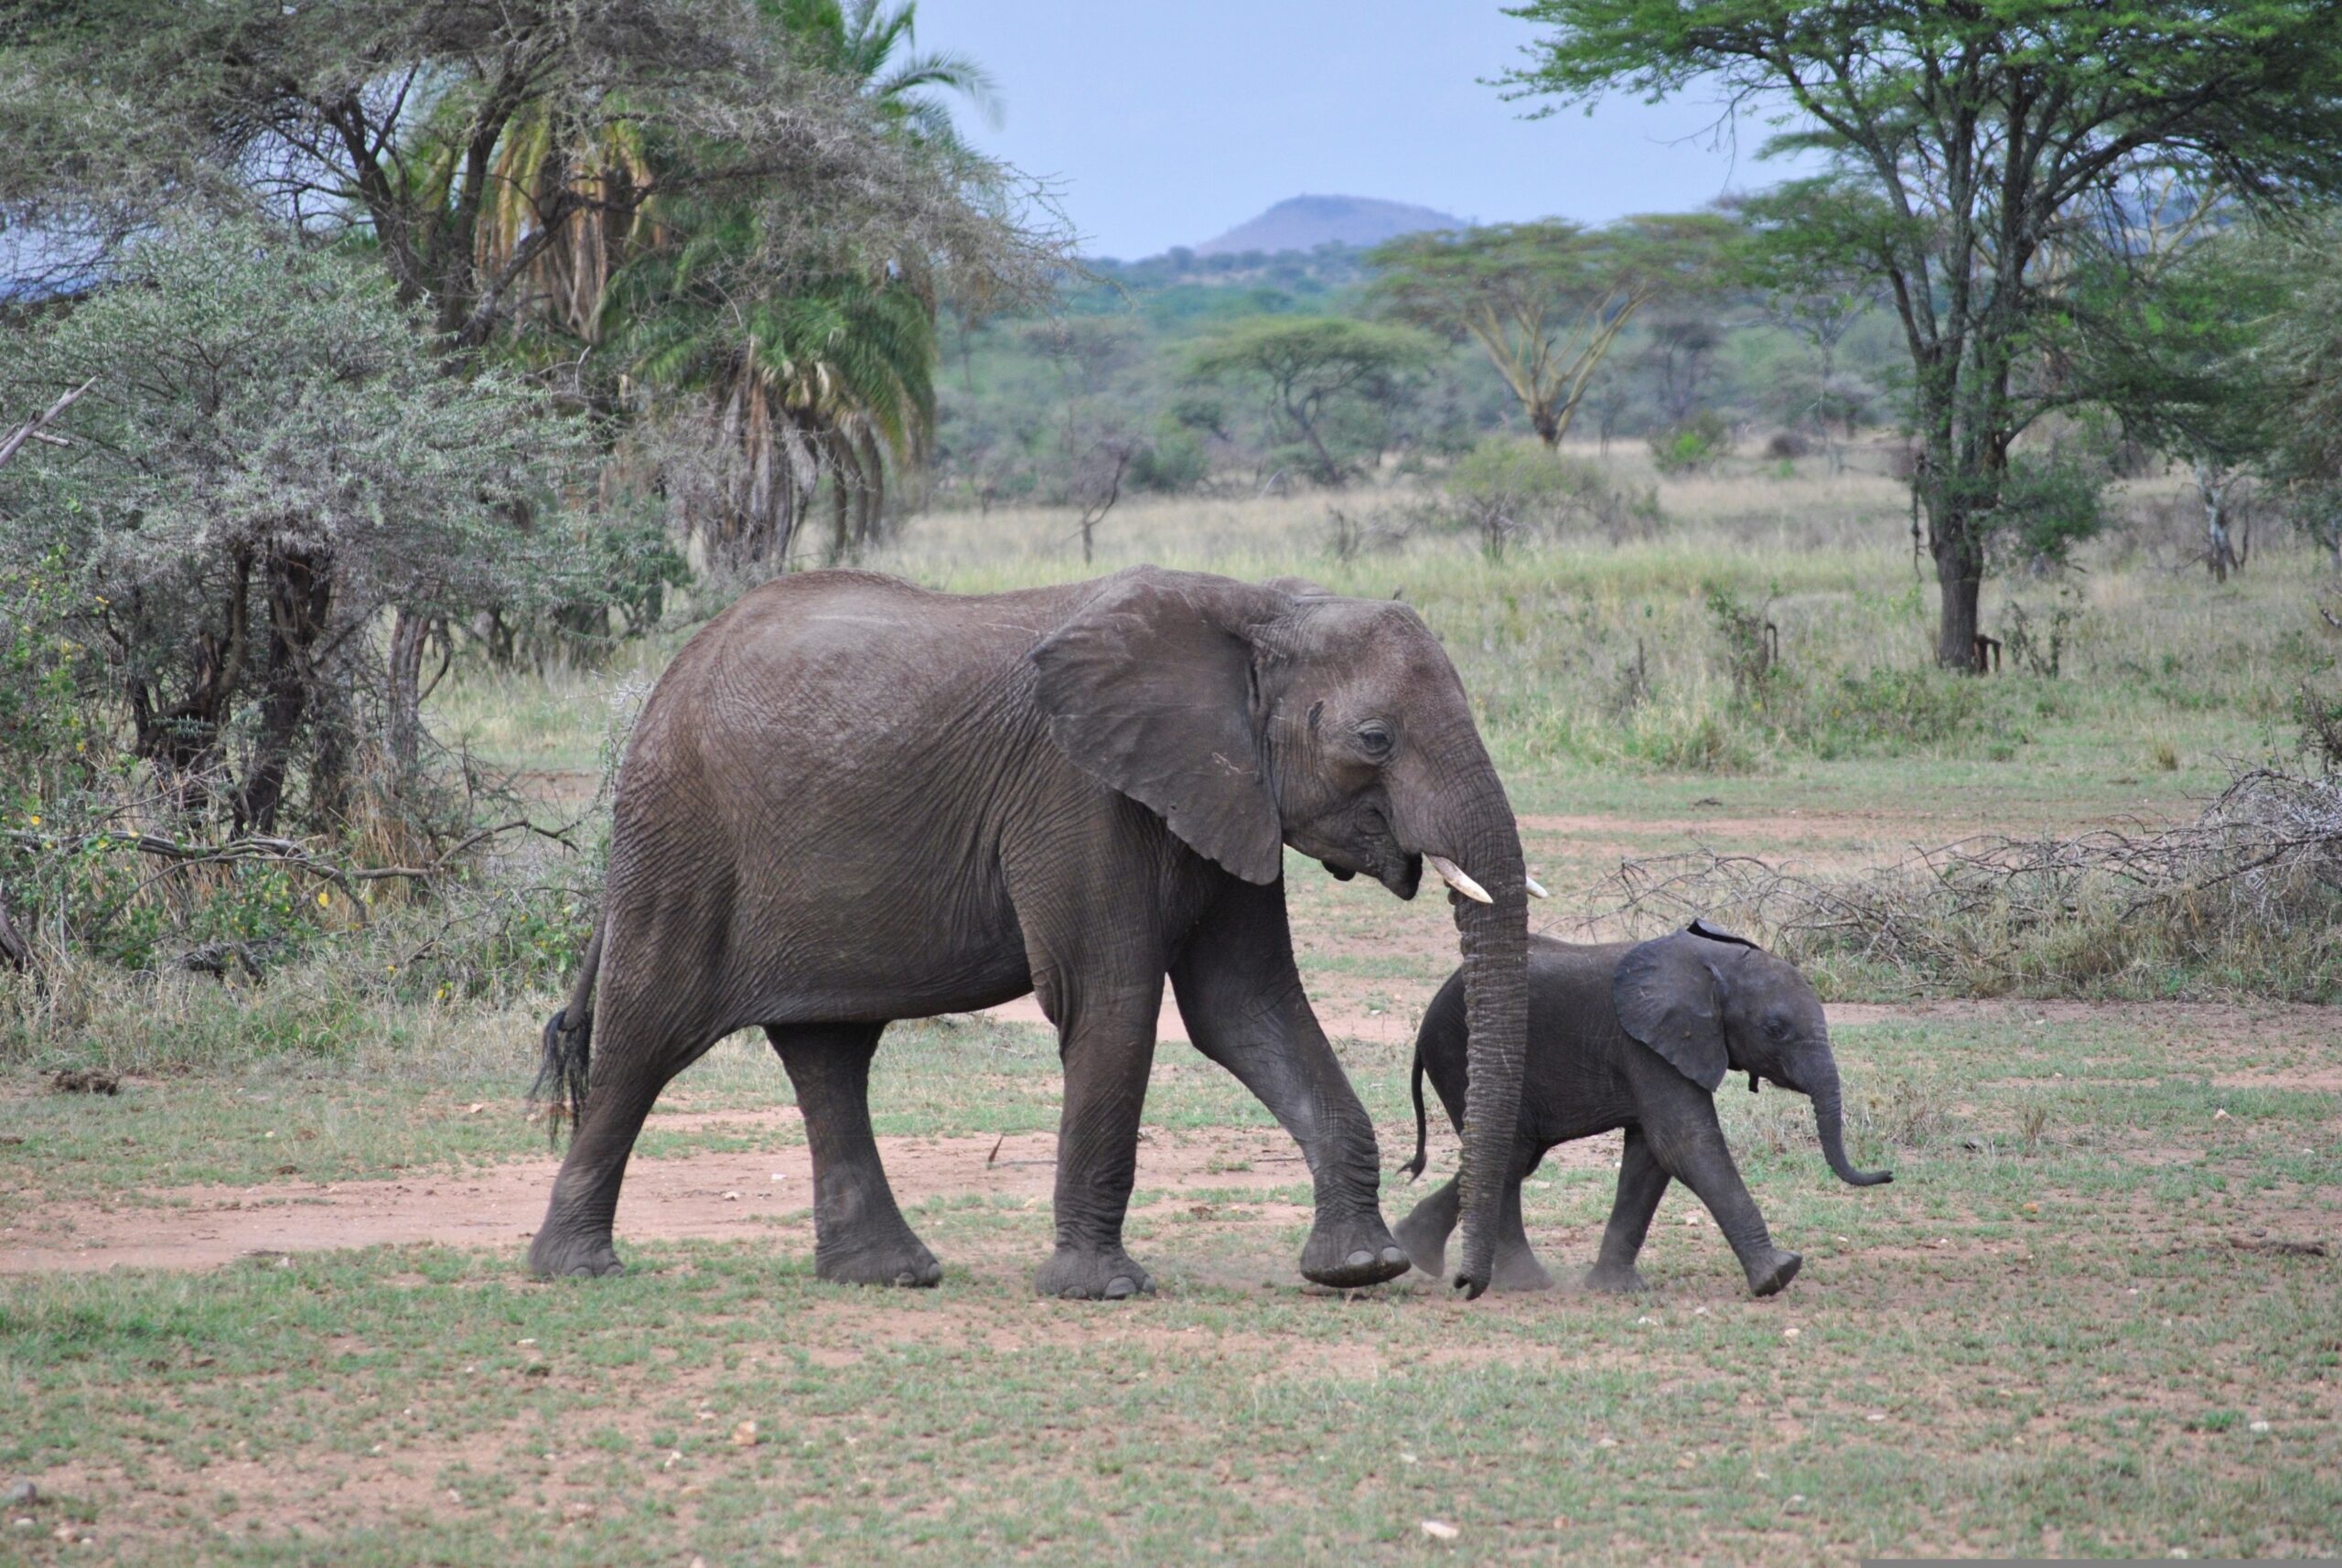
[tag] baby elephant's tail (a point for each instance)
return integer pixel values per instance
(1414, 1167)
(567, 1050)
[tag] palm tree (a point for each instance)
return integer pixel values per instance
(827, 382)
(830, 381)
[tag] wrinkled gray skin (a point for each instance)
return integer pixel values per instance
(851, 800)
(1639, 1036)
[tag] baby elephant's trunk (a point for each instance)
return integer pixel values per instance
(1829, 1121)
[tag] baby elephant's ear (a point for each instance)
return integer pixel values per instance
(1671, 1000)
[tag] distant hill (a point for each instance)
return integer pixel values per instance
(1306, 222)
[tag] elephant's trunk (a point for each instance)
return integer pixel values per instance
(1494, 939)
(1829, 1121)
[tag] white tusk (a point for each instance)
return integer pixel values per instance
(1536, 888)
(1453, 874)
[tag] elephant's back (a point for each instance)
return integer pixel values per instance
(829, 668)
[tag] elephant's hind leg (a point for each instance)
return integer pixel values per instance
(633, 1060)
(859, 1234)
(1641, 1184)
(1515, 1266)
(1425, 1232)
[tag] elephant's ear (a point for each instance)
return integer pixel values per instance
(1670, 998)
(1148, 688)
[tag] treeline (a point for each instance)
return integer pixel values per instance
(1222, 372)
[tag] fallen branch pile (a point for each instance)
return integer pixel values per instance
(2247, 896)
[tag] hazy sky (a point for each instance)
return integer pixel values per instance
(1167, 122)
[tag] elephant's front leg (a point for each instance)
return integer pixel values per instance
(1108, 1047)
(1693, 1149)
(1245, 1009)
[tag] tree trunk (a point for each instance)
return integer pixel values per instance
(2220, 552)
(300, 594)
(1960, 576)
(403, 724)
(1549, 425)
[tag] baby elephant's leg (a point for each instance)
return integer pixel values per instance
(1641, 1184)
(1424, 1233)
(1515, 1267)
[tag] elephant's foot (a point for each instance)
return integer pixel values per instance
(1425, 1239)
(1771, 1274)
(1352, 1253)
(1615, 1279)
(1517, 1268)
(902, 1260)
(1076, 1274)
(554, 1257)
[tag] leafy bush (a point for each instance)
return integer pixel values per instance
(1173, 464)
(1506, 489)
(1692, 446)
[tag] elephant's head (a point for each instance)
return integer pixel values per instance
(1712, 1003)
(1251, 717)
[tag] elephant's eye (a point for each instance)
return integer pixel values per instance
(1777, 1026)
(1374, 739)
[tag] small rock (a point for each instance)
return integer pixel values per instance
(1607, 1443)
(731, 1198)
(23, 1495)
(1875, 1415)
(1440, 1529)
(745, 1436)
(26, 1522)
(2258, 1427)
(1405, 1458)
(1792, 1333)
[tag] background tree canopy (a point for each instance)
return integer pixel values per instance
(1984, 163)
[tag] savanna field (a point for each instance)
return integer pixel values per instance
(265, 1303)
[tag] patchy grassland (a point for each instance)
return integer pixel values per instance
(2087, 1317)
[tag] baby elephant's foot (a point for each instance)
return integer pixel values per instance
(1771, 1274)
(1517, 1268)
(1425, 1241)
(1076, 1274)
(1615, 1279)
(902, 1260)
(1349, 1254)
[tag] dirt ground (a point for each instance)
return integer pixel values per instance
(732, 1196)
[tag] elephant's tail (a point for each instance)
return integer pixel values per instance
(1414, 1167)
(568, 1048)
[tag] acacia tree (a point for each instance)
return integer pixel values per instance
(1312, 372)
(1979, 155)
(269, 457)
(466, 142)
(1545, 301)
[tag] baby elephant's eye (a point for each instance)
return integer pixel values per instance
(1777, 1026)
(1374, 739)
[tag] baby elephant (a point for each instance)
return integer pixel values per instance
(1638, 1036)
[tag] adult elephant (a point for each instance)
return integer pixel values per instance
(851, 800)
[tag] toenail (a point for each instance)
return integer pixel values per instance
(1393, 1255)
(1361, 1258)
(1119, 1287)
